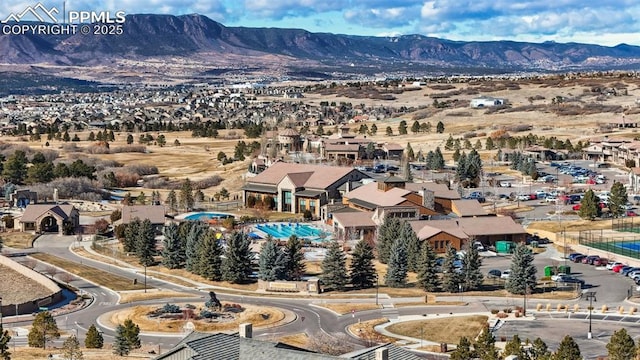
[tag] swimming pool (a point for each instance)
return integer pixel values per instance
(285, 230)
(204, 216)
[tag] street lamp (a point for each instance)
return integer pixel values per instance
(145, 278)
(377, 285)
(591, 296)
(1, 311)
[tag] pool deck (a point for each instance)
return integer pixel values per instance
(185, 215)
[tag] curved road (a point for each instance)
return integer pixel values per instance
(309, 319)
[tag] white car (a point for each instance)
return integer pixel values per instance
(505, 274)
(551, 199)
(505, 184)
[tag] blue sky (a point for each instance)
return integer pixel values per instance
(607, 22)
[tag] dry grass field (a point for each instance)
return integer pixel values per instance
(27, 353)
(102, 278)
(133, 296)
(17, 240)
(17, 288)
(443, 330)
(346, 308)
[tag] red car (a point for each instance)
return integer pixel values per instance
(618, 267)
(631, 213)
(600, 262)
(576, 207)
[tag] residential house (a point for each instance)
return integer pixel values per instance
(393, 151)
(49, 218)
(299, 187)
(153, 213)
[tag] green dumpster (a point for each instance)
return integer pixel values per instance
(548, 271)
(564, 269)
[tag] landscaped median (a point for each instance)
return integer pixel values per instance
(173, 318)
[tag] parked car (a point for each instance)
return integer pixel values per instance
(573, 255)
(494, 273)
(568, 279)
(505, 184)
(505, 274)
(631, 213)
(624, 269)
(611, 265)
(618, 267)
(600, 262)
(524, 197)
(551, 199)
(626, 272)
(590, 259)
(578, 258)
(576, 207)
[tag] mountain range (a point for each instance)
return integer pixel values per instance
(198, 38)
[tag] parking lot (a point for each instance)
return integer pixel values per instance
(610, 287)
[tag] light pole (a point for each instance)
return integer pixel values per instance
(1, 311)
(591, 296)
(524, 307)
(377, 285)
(564, 247)
(145, 278)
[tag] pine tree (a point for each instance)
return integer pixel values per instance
(363, 272)
(193, 239)
(172, 200)
(472, 277)
(450, 275)
(415, 127)
(523, 271)
(397, 271)
(409, 153)
(488, 145)
(389, 131)
(589, 208)
(440, 127)
(121, 346)
(438, 159)
(146, 243)
(294, 256)
(272, 262)
(334, 269)
(412, 246)
(406, 171)
(448, 145)
(172, 256)
(5, 338)
(618, 198)
(539, 350)
(428, 278)
(186, 195)
(131, 236)
(514, 347)
(71, 349)
(210, 257)
(236, 267)
(402, 128)
(374, 129)
(94, 339)
(621, 346)
(43, 329)
(387, 234)
(15, 167)
(132, 334)
(568, 350)
(485, 346)
(463, 351)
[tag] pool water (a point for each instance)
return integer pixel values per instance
(282, 230)
(204, 216)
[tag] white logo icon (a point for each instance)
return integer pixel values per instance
(39, 11)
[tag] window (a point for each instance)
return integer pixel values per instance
(286, 201)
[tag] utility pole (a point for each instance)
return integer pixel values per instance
(145, 279)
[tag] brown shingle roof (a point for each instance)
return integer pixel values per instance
(322, 176)
(439, 190)
(354, 219)
(33, 211)
(371, 194)
(468, 207)
(472, 226)
(155, 213)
